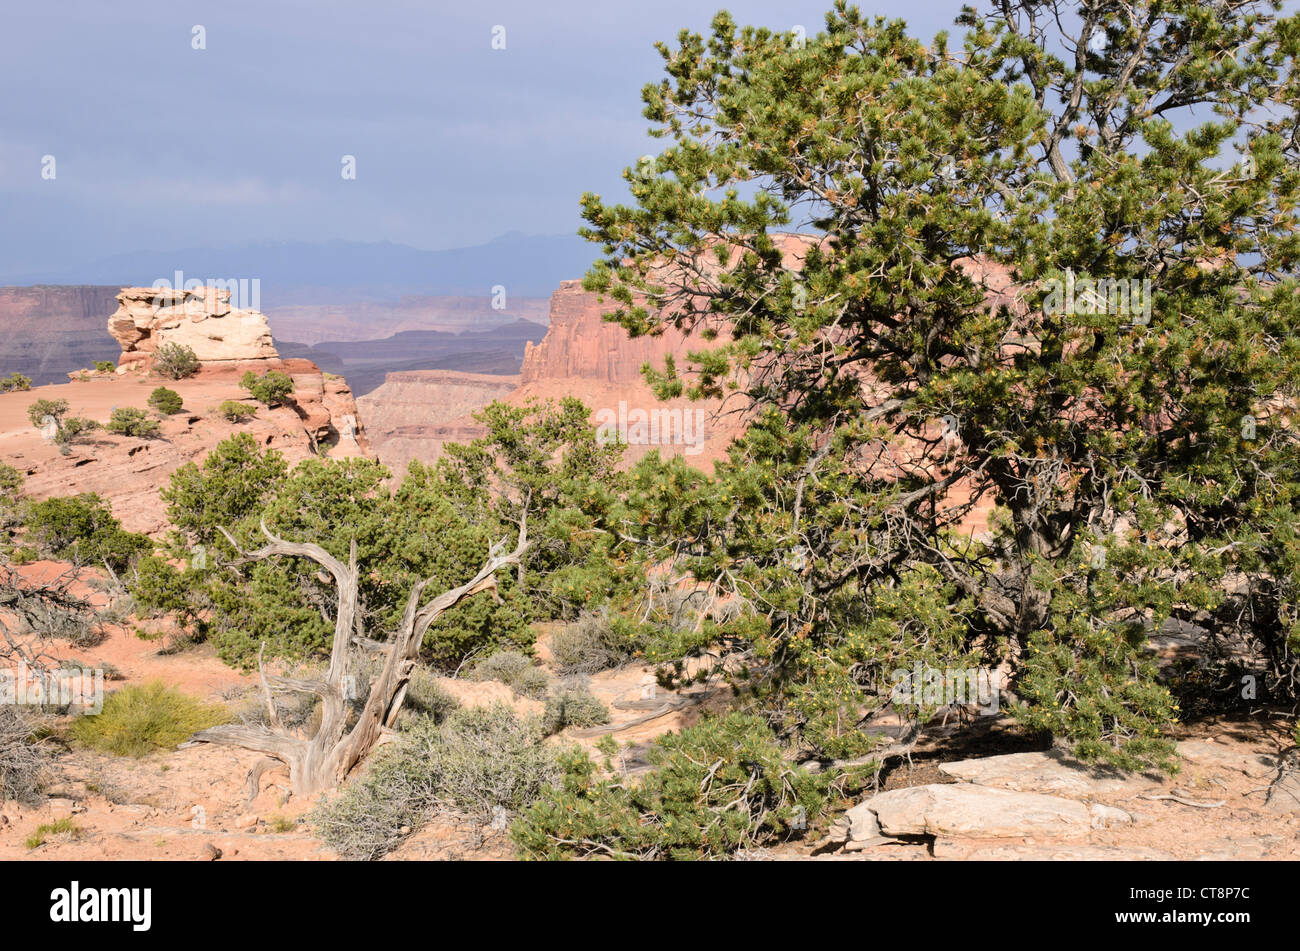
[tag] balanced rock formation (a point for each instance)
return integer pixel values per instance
(200, 318)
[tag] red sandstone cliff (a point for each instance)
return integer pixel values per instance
(579, 345)
(414, 414)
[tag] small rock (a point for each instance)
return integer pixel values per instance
(214, 853)
(404, 830)
(1103, 817)
(246, 821)
(863, 830)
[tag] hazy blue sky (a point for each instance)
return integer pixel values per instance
(161, 146)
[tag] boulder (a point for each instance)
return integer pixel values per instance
(1048, 772)
(960, 809)
(858, 829)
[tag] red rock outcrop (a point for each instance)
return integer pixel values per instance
(129, 472)
(414, 414)
(201, 319)
(580, 345)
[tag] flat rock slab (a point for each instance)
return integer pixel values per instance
(1204, 753)
(1284, 794)
(1049, 772)
(950, 849)
(973, 811)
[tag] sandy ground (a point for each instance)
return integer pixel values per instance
(190, 804)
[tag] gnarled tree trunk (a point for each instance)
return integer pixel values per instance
(326, 759)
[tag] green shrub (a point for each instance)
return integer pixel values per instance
(271, 389)
(281, 824)
(141, 719)
(165, 401)
(105, 366)
(426, 697)
(573, 705)
(515, 670)
(129, 421)
(65, 826)
(719, 786)
(594, 642)
(44, 410)
(504, 666)
(11, 503)
(82, 529)
(15, 382)
(24, 762)
(236, 412)
(474, 762)
(175, 361)
(67, 428)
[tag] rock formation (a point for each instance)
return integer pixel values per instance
(320, 418)
(582, 356)
(201, 319)
(579, 344)
(585, 356)
(129, 472)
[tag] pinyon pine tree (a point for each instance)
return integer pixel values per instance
(1051, 272)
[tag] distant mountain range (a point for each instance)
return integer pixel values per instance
(292, 273)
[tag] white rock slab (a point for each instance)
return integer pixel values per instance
(949, 849)
(964, 810)
(1048, 772)
(1223, 756)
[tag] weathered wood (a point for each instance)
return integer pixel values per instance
(325, 759)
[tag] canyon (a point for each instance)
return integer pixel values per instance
(414, 414)
(47, 330)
